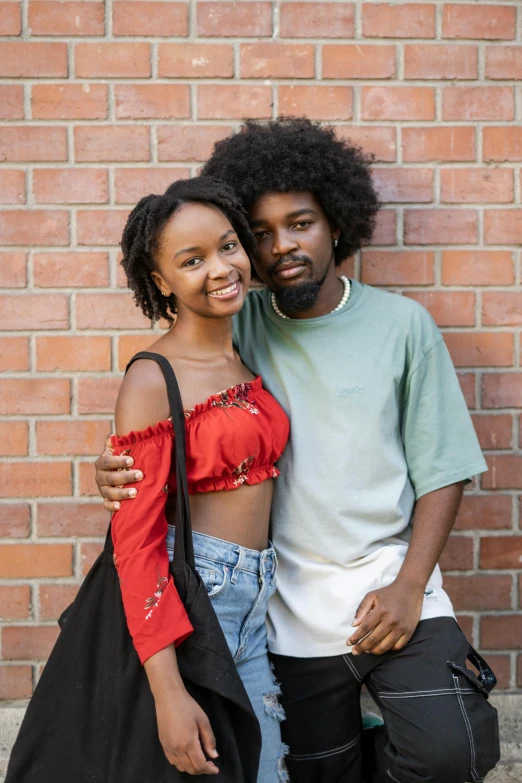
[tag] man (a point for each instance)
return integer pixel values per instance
(381, 446)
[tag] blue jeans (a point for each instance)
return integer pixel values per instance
(239, 582)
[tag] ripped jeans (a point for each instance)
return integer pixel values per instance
(239, 582)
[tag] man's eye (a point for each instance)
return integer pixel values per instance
(303, 224)
(261, 235)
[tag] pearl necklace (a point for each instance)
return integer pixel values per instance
(346, 295)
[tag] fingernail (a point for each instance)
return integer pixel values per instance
(354, 652)
(129, 461)
(138, 475)
(117, 506)
(133, 492)
(214, 754)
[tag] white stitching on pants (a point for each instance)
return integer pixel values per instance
(468, 728)
(426, 694)
(352, 668)
(325, 753)
(391, 776)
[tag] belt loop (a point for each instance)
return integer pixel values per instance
(238, 565)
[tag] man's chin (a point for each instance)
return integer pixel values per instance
(297, 297)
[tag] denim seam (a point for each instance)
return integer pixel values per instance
(426, 694)
(468, 728)
(352, 668)
(325, 753)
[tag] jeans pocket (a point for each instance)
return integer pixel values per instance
(480, 719)
(213, 574)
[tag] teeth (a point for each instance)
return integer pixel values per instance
(223, 291)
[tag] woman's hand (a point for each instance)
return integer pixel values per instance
(185, 734)
(112, 473)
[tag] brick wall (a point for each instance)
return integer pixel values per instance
(101, 103)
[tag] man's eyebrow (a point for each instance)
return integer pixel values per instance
(289, 216)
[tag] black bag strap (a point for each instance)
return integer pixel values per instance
(183, 546)
(486, 674)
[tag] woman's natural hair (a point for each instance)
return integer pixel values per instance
(294, 154)
(142, 235)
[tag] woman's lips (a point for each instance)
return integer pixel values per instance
(228, 292)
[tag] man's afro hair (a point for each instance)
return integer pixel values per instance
(294, 154)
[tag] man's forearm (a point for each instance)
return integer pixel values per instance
(433, 519)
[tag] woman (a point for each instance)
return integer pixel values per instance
(186, 254)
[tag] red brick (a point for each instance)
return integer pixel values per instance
(501, 665)
(317, 102)
(12, 269)
(14, 439)
(500, 552)
(519, 671)
(397, 103)
(492, 21)
(19, 59)
(467, 385)
(503, 144)
(109, 311)
(377, 141)
(54, 599)
(502, 390)
(105, 60)
(16, 682)
(186, 60)
(503, 62)
(14, 353)
(71, 186)
(234, 101)
(32, 479)
(503, 226)
(10, 18)
(28, 642)
(87, 480)
(457, 555)
(34, 396)
(69, 18)
(101, 226)
(478, 103)
(479, 592)
(37, 143)
(472, 186)
(57, 270)
(225, 19)
(35, 227)
(111, 143)
(502, 308)
(317, 20)
(11, 101)
(440, 226)
(189, 142)
(12, 186)
(455, 308)
(98, 395)
(69, 101)
(277, 60)
(466, 625)
(438, 143)
(88, 554)
(58, 438)
(407, 20)
(152, 101)
(480, 349)
(15, 602)
(435, 61)
(149, 18)
(129, 344)
(477, 267)
(501, 633)
(385, 232)
(132, 184)
(494, 431)
(505, 472)
(73, 519)
(404, 185)
(14, 520)
(484, 512)
(383, 267)
(73, 354)
(34, 311)
(354, 61)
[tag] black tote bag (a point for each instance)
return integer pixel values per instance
(92, 717)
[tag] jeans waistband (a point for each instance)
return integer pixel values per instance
(230, 554)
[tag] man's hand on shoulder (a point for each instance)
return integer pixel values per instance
(386, 619)
(112, 473)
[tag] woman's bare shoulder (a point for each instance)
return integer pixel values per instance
(142, 399)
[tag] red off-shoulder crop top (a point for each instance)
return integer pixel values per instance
(233, 438)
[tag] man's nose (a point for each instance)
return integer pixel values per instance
(283, 242)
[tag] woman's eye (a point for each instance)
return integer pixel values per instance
(229, 246)
(192, 262)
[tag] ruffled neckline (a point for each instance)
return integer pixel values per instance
(239, 392)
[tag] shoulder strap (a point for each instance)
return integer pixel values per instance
(183, 547)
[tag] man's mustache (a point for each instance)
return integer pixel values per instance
(289, 259)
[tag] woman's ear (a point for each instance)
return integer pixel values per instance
(160, 284)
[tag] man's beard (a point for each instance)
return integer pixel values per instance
(298, 298)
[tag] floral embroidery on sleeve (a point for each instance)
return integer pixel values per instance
(154, 600)
(236, 398)
(242, 471)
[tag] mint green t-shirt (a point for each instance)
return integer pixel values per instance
(377, 419)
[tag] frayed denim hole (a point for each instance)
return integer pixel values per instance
(282, 771)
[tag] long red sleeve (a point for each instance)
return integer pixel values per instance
(155, 614)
